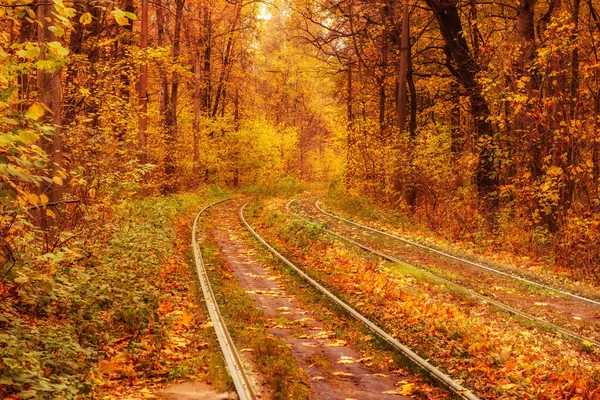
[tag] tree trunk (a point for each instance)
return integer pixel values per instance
(207, 40)
(143, 89)
(384, 63)
(412, 127)
(464, 67)
(171, 112)
(455, 131)
(403, 70)
(49, 93)
(161, 24)
(197, 116)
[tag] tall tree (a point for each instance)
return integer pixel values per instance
(463, 65)
(49, 93)
(143, 88)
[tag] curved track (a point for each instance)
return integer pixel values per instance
(432, 371)
(460, 259)
(240, 379)
(470, 292)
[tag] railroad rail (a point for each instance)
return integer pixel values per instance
(485, 299)
(460, 259)
(233, 361)
(431, 370)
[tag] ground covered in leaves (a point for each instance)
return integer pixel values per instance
(115, 314)
(492, 353)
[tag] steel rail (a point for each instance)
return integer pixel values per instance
(233, 361)
(441, 377)
(456, 286)
(460, 259)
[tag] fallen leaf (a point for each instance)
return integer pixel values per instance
(508, 386)
(336, 343)
(405, 390)
(340, 373)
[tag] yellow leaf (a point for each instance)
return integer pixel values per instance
(58, 180)
(405, 390)
(340, 373)
(336, 343)
(120, 17)
(508, 386)
(186, 318)
(50, 213)
(85, 19)
(43, 199)
(36, 111)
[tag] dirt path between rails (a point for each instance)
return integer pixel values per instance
(336, 371)
(576, 315)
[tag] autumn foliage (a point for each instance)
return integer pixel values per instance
(478, 121)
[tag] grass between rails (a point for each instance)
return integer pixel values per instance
(345, 328)
(492, 354)
(536, 268)
(279, 372)
(118, 318)
(520, 295)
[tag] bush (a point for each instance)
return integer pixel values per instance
(63, 312)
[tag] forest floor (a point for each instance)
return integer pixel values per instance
(297, 344)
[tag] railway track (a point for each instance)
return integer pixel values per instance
(460, 259)
(240, 378)
(485, 299)
(428, 368)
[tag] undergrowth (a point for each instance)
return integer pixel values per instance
(81, 316)
(572, 254)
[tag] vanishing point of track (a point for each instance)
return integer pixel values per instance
(449, 283)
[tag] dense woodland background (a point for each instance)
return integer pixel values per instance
(478, 120)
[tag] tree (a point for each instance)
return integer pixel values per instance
(49, 94)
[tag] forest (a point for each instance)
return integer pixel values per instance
(429, 166)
